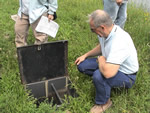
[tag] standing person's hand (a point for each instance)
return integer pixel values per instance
(50, 17)
(119, 2)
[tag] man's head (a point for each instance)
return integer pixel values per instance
(100, 23)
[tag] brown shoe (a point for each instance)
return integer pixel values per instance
(101, 108)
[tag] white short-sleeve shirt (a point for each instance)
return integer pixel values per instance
(118, 48)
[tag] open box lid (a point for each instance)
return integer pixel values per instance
(43, 62)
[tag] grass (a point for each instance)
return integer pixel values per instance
(72, 16)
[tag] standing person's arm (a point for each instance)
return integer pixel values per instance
(94, 52)
(52, 7)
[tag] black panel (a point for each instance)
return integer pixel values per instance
(43, 62)
(37, 89)
(60, 84)
(63, 87)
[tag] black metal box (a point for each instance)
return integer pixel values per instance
(42, 62)
(43, 69)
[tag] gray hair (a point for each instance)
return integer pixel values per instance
(100, 17)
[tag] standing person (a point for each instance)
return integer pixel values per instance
(117, 62)
(117, 9)
(29, 14)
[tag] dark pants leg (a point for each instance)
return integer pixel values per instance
(88, 66)
(103, 85)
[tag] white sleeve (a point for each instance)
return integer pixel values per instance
(119, 51)
(52, 6)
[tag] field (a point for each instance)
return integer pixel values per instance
(72, 16)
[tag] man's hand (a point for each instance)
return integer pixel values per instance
(119, 2)
(80, 59)
(101, 59)
(50, 17)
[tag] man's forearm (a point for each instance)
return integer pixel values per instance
(94, 52)
(107, 69)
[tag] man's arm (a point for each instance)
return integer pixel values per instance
(107, 69)
(94, 52)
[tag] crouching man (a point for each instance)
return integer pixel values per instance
(116, 64)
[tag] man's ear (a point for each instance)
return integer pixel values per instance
(102, 27)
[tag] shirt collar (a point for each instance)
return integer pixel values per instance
(114, 29)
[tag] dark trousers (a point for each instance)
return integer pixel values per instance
(103, 85)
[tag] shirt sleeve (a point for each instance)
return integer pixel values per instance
(52, 6)
(119, 52)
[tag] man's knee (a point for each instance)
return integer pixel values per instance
(81, 68)
(97, 77)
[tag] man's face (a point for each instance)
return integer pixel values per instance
(99, 30)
